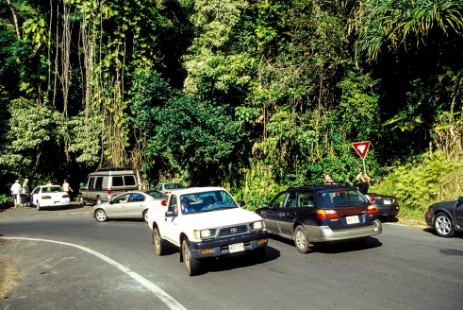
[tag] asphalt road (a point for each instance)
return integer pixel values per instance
(69, 261)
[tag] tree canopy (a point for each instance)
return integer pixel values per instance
(253, 95)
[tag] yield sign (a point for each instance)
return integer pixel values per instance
(361, 148)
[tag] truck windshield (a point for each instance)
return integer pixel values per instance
(206, 202)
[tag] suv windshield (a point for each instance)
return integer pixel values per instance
(341, 198)
(206, 201)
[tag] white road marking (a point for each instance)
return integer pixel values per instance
(166, 298)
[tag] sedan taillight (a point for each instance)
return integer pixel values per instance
(65, 196)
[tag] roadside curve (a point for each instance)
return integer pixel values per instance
(169, 301)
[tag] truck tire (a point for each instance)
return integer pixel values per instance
(192, 265)
(160, 245)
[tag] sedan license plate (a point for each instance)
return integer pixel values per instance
(237, 247)
(387, 202)
(354, 219)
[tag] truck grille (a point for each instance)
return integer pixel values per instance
(235, 230)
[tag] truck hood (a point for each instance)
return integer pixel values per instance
(218, 218)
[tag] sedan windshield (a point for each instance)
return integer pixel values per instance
(156, 194)
(206, 201)
(341, 198)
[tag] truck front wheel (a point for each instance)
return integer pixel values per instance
(192, 265)
(160, 245)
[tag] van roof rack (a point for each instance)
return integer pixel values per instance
(113, 169)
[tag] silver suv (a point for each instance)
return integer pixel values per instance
(105, 183)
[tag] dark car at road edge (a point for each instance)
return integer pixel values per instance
(445, 217)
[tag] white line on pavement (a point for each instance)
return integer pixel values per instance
(166, 298)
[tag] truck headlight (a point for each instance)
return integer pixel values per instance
(259, 225)
(204, 234)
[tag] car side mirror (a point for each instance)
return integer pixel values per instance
(460, 200)
(241, 203)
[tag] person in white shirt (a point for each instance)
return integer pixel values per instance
(15, 191)
(66, 187)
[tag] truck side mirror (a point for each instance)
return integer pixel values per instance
(170, 213)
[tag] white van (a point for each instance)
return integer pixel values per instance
(105, 183)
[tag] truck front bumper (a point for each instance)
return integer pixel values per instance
(230, 245)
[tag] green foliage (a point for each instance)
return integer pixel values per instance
(85, 133)
(195, 136)
(4, 199)
(392, 24)
(31, 127)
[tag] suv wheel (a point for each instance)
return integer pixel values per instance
(300, 240)
(98, 201)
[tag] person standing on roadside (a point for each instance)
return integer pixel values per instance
(329, 179)
(364, 184)
(15, 191)
(66, 187)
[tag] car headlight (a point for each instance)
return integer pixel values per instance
(204, 234)
(259, 225)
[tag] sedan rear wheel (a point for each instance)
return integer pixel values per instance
(301, 240)
(82, 201)
(37, 204)
(443, 225)
(100, 215)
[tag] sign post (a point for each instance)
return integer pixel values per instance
(362, 148)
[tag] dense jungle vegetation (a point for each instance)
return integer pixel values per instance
(252, 95)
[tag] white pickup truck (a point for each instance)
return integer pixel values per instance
(206, 222)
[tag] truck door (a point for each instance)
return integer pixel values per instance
(170, 229)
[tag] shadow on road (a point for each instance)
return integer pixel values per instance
(337, 247)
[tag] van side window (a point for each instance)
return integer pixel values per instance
(90, 182)
(118, 181)
(99, 183)
(129, 180)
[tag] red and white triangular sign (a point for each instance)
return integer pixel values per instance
(361, 148)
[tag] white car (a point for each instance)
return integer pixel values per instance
(206, 222)
(48, 196)
(169, 187)
(130, 205)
